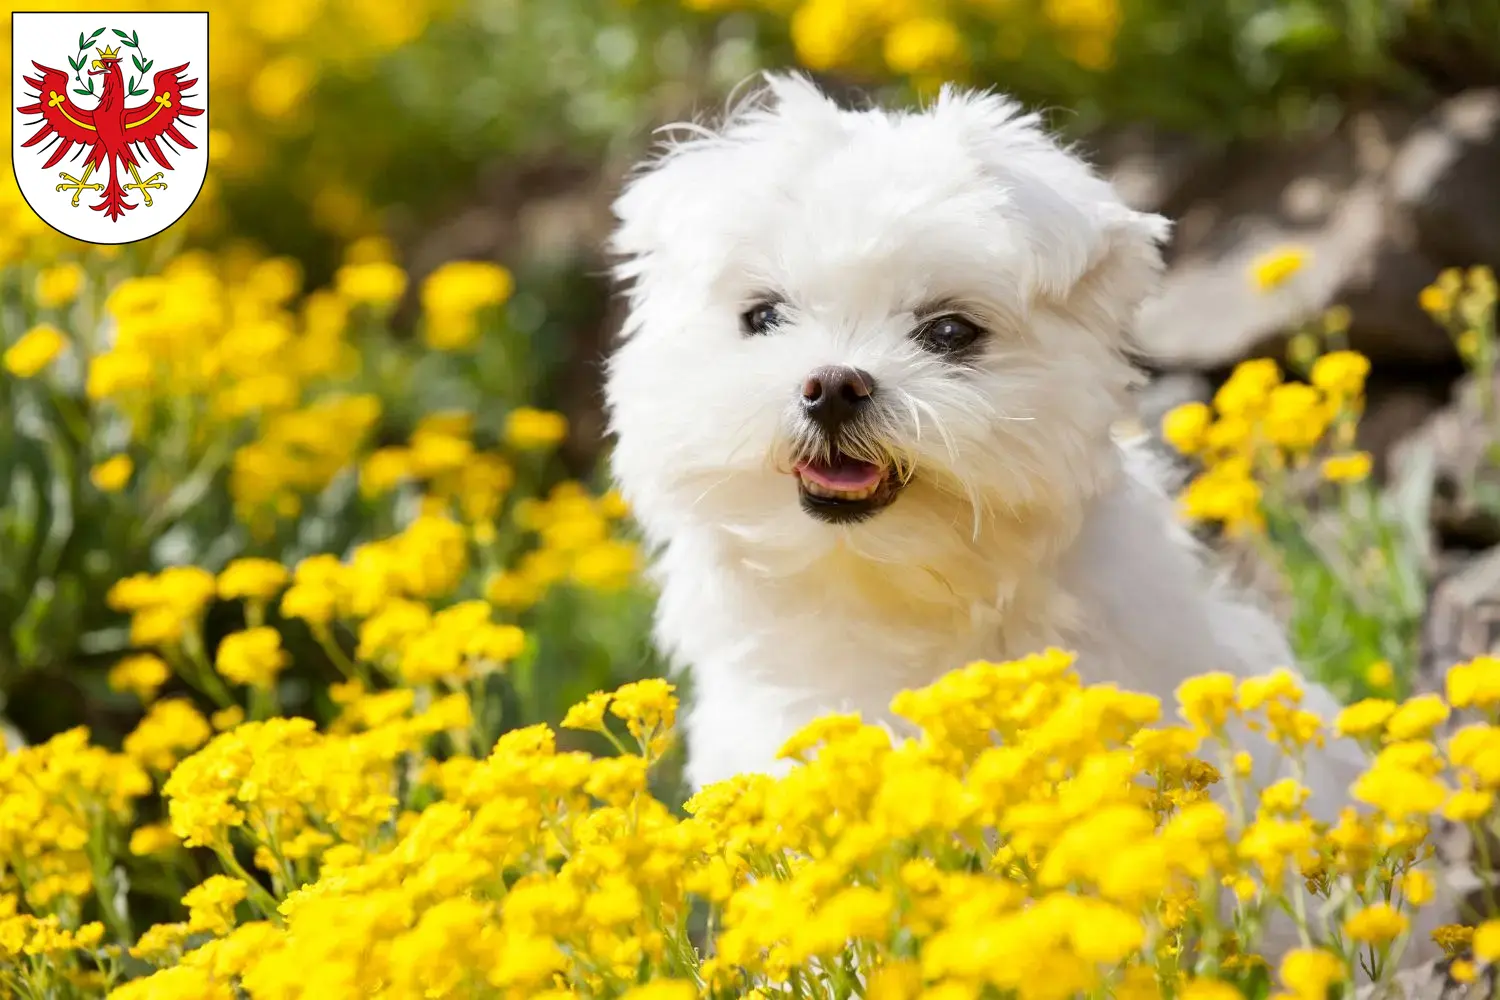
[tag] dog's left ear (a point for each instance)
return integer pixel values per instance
(1123, 271)
(1088, 251)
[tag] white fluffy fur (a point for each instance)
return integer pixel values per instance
(1026, 524)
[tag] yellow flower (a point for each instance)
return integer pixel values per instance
(57, 286)
(34, 351)
(253, 657)
(923, 44)
(378, 283)
(1417, 717)
(1352, 468)
(1210, 989)
(1341, 374)
(662, 989)
(1468, 344)
(589, 713)
(454, 293)
(1378, 924)
(1475, 684)
(155, 838)
(1184, 427)
(112, 474)
(1271, 270)
(533, 430)
(1454, 939)
(252, 578)
(1207, 701)
(1364, 718)
(1487, 941)
(825, 32)
(1436, 300)
(1468, 805)
(142, 675)
(1380, 675)
(1418, 886)
(1247, 387)
(1295, 416)
(1309, 972)
(211, 904)
(170, 730)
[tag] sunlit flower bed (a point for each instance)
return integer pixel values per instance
(1042, 839)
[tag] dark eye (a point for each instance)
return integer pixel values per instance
(947, 334)
(760, 318)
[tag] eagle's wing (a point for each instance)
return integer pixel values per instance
(60, 116)
(159, 117)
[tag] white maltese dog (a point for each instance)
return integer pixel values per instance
(863, 407)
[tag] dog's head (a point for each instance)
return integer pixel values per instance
(870, 326)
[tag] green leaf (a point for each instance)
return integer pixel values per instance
(82, 42)
(121, 34)
(149, 64)
(76, 64)
(137, 61)
(85, 93)
(96, 34)
(131, 86)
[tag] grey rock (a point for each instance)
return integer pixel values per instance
(1445, 175)
(1457, 443)
(1326, 193)
(1154, 171)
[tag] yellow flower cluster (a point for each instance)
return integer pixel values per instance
(454, 294)
(1039, 838)
(933, 42)
(1259, 426)
(1464, 304)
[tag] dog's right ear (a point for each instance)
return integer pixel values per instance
(672, 204)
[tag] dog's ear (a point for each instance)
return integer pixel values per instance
(1124, 270)
(671, 202)
(1088, 251)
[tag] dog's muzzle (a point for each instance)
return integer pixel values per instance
(838, 487)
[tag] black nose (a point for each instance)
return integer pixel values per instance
(834, 395)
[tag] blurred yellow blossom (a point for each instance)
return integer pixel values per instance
(253, 657)
(1376, 924)
(377, 283)
(1184, 426)
(1486, 942)
(59, 285)
(923, 44)
(34, 351)
(1351, 468)
(530, 429)
(142, 674)
(1275, 268)
(454, 293)
(252, 578)
(112, 474)
(1309, 972)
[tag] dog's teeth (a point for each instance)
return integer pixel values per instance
(818, 490)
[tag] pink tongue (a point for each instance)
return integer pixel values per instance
(848, 474)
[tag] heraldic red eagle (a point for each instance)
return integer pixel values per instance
(110, 130)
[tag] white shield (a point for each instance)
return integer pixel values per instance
(109, 119)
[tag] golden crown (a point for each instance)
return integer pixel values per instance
(108, 53)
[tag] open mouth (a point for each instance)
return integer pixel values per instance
(842, 490)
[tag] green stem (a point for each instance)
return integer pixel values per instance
(262, 899)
